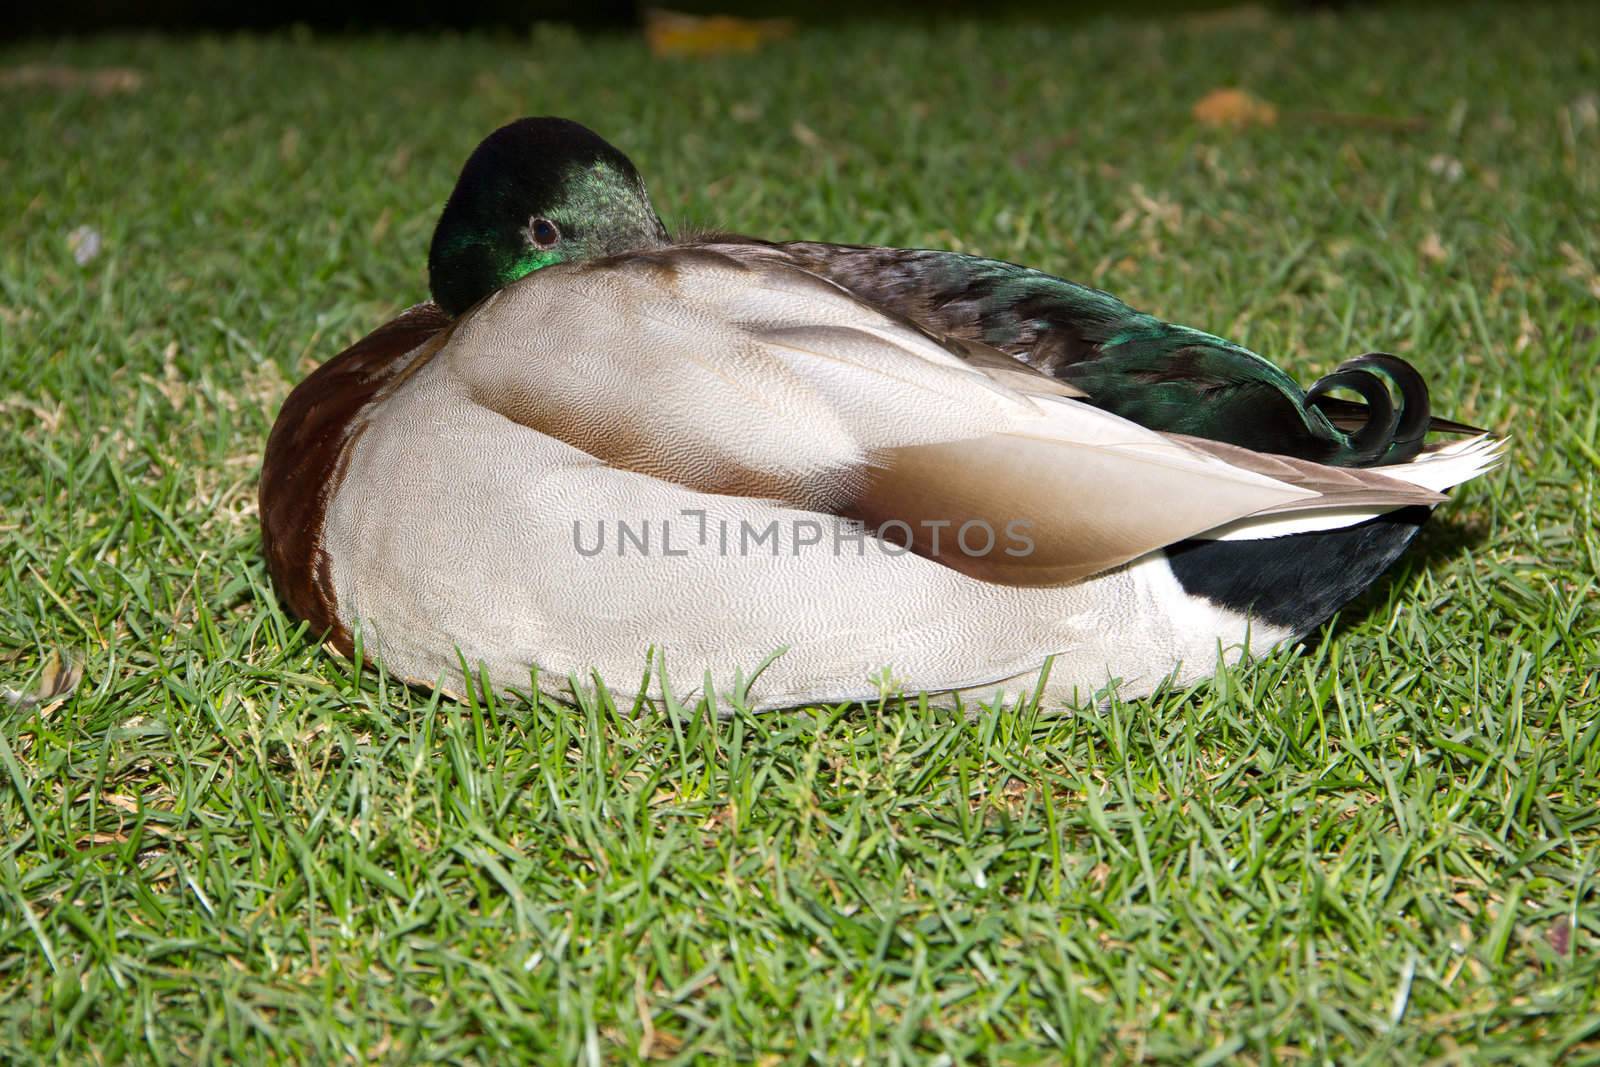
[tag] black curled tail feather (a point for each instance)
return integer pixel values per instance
(1379, 432)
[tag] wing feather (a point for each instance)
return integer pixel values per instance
(731, 370)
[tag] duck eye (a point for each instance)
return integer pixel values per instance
(543, 232)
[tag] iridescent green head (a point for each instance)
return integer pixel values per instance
(537, 192)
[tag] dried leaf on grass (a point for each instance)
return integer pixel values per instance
(1233, 107)
(805, 134)
(1447, 167)
(102, 81)
(1431, 248)
(673, 33)
(1237, 109)
(85, 243)
(56, 683)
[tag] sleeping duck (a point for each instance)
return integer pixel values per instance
(804, 472)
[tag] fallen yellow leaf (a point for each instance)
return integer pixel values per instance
(673, 33)
(57, 681)
(1233, 107)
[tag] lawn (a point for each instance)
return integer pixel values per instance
(229, 844)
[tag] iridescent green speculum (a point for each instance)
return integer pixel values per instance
(583, 193)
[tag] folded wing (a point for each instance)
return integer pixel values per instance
(731, 370)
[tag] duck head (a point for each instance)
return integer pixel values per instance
(537, 192)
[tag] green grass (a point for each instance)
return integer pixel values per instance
(226, 844)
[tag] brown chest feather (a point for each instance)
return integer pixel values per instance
(306, 455)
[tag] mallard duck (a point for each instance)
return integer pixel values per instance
(805, 472)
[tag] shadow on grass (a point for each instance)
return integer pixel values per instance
(1440, 542)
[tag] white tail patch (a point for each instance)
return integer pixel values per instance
(1451, 465)
(1437, 469)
